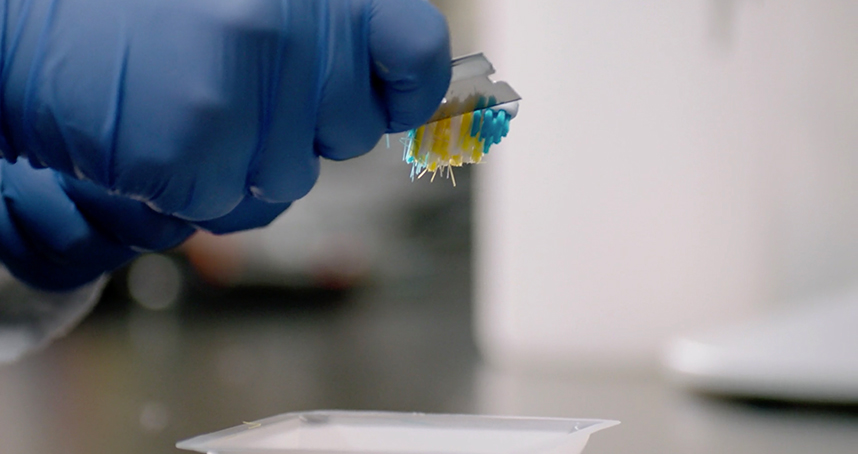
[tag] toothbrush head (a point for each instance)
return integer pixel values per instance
(474, 115)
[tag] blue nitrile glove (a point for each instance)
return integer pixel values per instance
(53, 242)
(160, 115)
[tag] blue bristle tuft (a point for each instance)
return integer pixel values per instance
(488, 121)
(475, 125)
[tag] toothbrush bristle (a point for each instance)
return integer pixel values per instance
(454, 141)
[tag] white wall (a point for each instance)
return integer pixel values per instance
(674, 165)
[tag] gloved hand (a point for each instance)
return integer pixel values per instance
(161, 116)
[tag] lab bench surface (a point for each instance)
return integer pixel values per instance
(136, 382)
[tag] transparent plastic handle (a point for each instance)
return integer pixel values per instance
(30, 319)
(471, 89)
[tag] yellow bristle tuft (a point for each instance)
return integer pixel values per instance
(441, 144)
(476, 156)
(465, 130)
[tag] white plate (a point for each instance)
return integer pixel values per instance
(341, 432)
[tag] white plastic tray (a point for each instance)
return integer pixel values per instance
(348, 432)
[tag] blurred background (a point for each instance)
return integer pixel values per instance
(676, 167)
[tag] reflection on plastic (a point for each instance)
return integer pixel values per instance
(30, 319)
(401, 433)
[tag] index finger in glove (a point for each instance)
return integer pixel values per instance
(409, 44)
(388, 67)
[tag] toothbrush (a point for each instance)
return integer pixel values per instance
(474, 115)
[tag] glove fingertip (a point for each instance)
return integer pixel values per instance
(410, 48)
